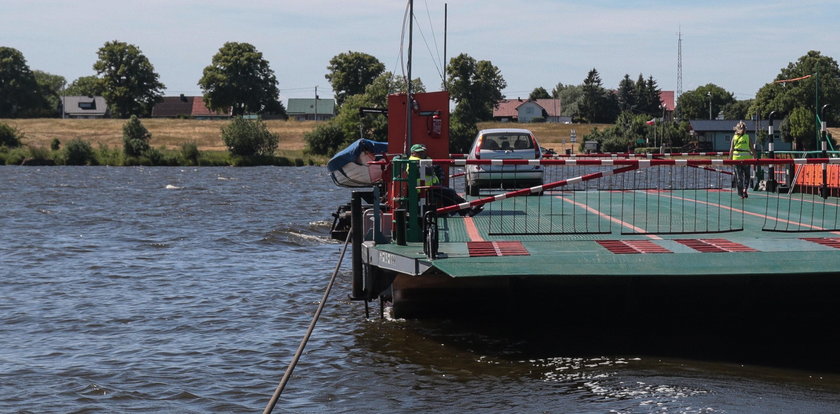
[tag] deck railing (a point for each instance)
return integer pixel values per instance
(654, 196)
(615, 195)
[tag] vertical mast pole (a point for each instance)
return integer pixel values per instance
(408, 103)
(445, 32)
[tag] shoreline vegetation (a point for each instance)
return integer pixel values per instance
(189, 142)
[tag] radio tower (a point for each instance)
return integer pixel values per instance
(679, 65)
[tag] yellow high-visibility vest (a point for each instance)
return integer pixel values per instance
(431, 178)
(741, 147)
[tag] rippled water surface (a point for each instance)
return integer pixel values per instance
(189, 290)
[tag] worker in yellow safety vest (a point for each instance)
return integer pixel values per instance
(741, 148)
(440, 195)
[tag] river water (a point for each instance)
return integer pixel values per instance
(189, 289)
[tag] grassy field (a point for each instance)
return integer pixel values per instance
(167, 133)
(172, 133)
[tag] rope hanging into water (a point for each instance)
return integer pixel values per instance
(271, 403)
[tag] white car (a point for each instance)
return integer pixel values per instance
(505, 144)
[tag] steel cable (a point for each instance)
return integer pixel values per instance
(271, 403)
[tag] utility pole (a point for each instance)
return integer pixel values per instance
(709, 94)
(316, 102)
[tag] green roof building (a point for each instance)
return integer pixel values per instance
(301, 109)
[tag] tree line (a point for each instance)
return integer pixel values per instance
(239, 79)
(634, 107)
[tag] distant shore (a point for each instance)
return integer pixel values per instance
(173, 133)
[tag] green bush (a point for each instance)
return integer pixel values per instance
(109, 156)
(190, 153)
(55, 144)
(249, 138)
(39, 156)
(78, 152)
(16, 155)
(9, 136)
(26, 156)
(153, 156)
(240, 161)
(326, 139)
(135, 137)
(214, 159)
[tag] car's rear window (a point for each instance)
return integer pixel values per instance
(507, 142)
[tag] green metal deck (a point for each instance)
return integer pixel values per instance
(738, 238)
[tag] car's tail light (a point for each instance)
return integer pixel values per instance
(537, 154)
(478, 147)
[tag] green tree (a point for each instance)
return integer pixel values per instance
(694, 104)
(129, 81)
(737, 109)
(539, 93)
(349, 73)
(799, 128)
(135, 137)
(239, 78)
(9, 136)
(571, 97)
(19, 91)
(817, 83)
(50, 87)
(631, 128)
(597, 104)
(648, 97)
(85, 86)
(476, 87)
(350, 125)
(626, 94)
(249, 138)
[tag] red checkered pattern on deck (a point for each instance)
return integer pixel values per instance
(715, 245)
(825, 241)
(497, 248)
(632, 246)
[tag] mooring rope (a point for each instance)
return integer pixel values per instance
(271, 403)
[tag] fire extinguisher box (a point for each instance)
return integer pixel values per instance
(429, 123)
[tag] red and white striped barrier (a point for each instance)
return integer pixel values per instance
(641, 163)
(533, 190)
(627, 165)
(624, 155)
(642, 155)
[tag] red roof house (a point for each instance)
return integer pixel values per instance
(520, 110)
(186, 107)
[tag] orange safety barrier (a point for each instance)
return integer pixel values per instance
(811, 175)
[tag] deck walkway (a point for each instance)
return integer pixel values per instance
(628, 237)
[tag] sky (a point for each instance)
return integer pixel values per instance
(737, 45)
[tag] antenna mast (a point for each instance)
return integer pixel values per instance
(679, 66)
